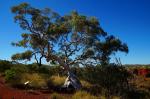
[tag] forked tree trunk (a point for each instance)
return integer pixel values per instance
(75, 82)
(39, 62)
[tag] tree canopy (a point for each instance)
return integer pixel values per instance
(69, 40)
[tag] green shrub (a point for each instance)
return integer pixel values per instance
(10, 75)
(20, 68)
(5, 65)
(44, 69)
(33, 67)
(13, 78)
(112, 79)
(57, 70)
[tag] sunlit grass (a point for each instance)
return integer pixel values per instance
(57, 80)
(57, 96)
(35, 80)
(83, 95)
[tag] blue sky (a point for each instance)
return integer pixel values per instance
(127, 19)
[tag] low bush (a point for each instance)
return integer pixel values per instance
(57, 70)
(20, 68)
(44, 69)
(10, 75)
(33, 67)
(5, 65)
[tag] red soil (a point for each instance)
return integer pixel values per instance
(11, 93)
(143, 72)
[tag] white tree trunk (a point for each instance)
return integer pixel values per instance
(72, 78)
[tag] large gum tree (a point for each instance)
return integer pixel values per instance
(69, 40)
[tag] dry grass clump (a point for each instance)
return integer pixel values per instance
(36, 80)
(57, 80)
(86, 84)
(57, 96)
(83, 95)
(113, 97)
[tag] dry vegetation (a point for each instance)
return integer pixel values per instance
(48, 78)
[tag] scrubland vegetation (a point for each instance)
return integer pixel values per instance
(98, 83)
(74, 45)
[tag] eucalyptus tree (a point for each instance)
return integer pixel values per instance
(83, 31)
(37, 23)
(69, 40)
(106, 48)
(50, 34)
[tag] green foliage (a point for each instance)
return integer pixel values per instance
(56, 70)
(44, 70)
(16, 8)
(110, 45)
(22, 56)
(16, 56)
(39, 24)
(18, 74)
(20, 68)
(5, 65)
(79, 38)
(13, 76)
(10, 75)
(33, 67)
(71, 33)
(112, 79)
(109, 80)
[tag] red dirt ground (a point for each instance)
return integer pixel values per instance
(11, 93)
